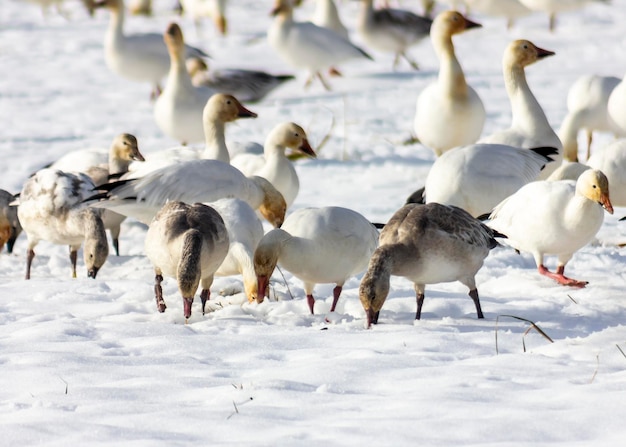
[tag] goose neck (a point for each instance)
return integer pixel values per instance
(215, 141)
(451, 77)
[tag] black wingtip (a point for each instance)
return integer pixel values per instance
(417, 197)
(378, 225)
(546, 151)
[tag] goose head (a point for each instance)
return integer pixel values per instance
(113, 5)
(282, 7)
(292, 136)
(449, 23)
(174, 40)
(195, 65)
(373, 292)
(96, 248)
(265, 259)
(225, 108)
(125, 147)
(274, 207)
(594, 185)
(521, 53)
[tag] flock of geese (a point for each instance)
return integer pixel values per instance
(523, 186)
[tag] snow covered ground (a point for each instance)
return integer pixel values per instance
(91, 362)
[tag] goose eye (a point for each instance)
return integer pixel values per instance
(228, 102)
(594, 186)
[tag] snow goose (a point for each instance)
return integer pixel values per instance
(190, 181)
(46, 4)
(273, 165)
(509, 9)
(178, 110)
(212, 9)
(317, 245)
(327, 16)
(556, 218)
(449, 112)
(140, 57)
(553, 7)
(587, 108)
(529, 127)
(246, 85)
(306, 45)
(186, 242)
(612, 162)
(392, 30)
(100, 165)
(427, 244)
(10, 227)
(478, 177)
(51, 209)
(617, 107)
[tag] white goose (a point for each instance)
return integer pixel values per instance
(587, 108)
(212, 9)
(617, 107)
(10, 227)
(186, 242)
(511, 10)
(308, 46)
(427, 244)
(317, 245)
(100, 165)
(554, 217)
(326, 15)
(529, 127)
(273, 165)
(140, 57)
(51, 208)
(392, 30)
(478, 177)
(190, 181)
(246, 85)
(612, 162)
(449, 112)
(554, 7)
(178, 110)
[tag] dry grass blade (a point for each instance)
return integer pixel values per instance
(620, 350)
(595, 373)
(285, 281)
(533, 325)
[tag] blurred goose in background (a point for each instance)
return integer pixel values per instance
(273, 165)
(211, 9)
(392, 30)
(529, 127)
(617, 107)
(449, 112)
(190, 181)
(554, 217)
(587, 109)
(100, 165)
(10, 227)
(246, 85)
(51, 208)
(305, 45)
(58, 4)
(186, 242)
(220, 109)
(478, 177)
(140, 57)
(554, 7)
(427, 244)
(327, 16)
(317, 245)
(178, 110)
(611, 160)
(511, 10)
(140, 7)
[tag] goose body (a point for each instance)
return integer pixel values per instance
(140, 57)
(449, 112)
(190, 181)
(189, 243)
(611, 160)
(587, 109)
(530, 127)
(10, 227)
(212, 9)
(392, 30)
(317, 245)
(51, 209)
(554, 217)
(427, 244)
(273, 165)
(304, 45)
(246, 85)
(99, 165)
(327, 16)
(554, 7)
(478, 177)
(511, 10)
(617, 107)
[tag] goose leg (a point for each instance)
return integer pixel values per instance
(311, 302)
(552, 22)
(73, 257)
(560, 278)
(420, 302)
(473, 293)
(589, 140)
(323, 81)
(158, 293)
(12, 239)
(30, 255)
(411, 62)
(336, 293)
(205, 295)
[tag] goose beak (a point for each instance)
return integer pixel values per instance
(469, 24)
(138, 157)
(541, 53)
(92, 272)
(262, 282)
(606, 203)
(187, 302)
(307, 149)
(245, 113)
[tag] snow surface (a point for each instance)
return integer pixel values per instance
(91, 362)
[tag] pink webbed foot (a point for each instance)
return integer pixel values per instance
(561, 278)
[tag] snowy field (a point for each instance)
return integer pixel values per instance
(91, 362)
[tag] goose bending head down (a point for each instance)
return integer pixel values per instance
(317, 245)
(189, 243)
(449, 112)
(427, 244)
(51, 208)
(554, 217)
